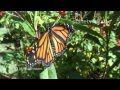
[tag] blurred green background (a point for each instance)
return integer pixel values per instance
(93, 50)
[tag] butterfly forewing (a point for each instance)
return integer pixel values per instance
(60, 35)
(44, 53)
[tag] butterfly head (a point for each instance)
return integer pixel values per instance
(49, 30)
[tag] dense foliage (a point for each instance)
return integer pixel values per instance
(93, 50)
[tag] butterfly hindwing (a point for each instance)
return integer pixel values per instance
(30, 56)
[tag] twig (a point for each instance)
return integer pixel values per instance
(19, 15)
(57, 20)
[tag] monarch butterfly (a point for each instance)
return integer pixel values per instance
(52, 44)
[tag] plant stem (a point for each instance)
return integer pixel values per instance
(57, 20)
(107, 52)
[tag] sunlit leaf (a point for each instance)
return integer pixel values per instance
(44, 74)
(28, 28)
(52, 72)
(3, 31)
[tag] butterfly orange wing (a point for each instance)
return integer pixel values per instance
(44, 53)
(60, 35)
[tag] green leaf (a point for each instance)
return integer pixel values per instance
(93, 38)
(37, 20)
(12, 67)
(44, 74)
(3, 31)
(17, 25)
(116, 51)
(2, 69)
(114, 18)
(89, 47)
(52, 72)
(28, 28)
(49, 73)
(116, 63)
(66, 21)
(4, 49)
(88, 30)
(30, 13)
